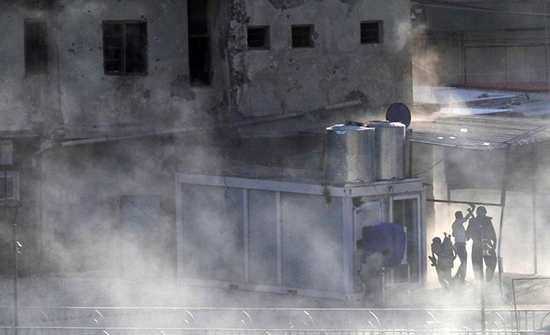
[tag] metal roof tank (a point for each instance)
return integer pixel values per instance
(390, 149)
(350, 154)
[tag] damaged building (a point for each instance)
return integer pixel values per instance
(102, 103)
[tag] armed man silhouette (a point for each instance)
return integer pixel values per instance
(481, 231)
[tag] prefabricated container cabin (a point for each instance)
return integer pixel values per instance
(290, 232)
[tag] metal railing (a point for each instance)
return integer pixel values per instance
(243, 331)
(319, 320)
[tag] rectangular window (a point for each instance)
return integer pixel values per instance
(125, 48)
(199, 43)
(36, 47)
(6, 152)
(371, 32)
(302, 36)
(258, 38)
(9, 187)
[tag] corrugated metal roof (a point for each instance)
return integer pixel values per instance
(480, 132)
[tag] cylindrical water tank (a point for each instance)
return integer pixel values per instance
(390, 149)
(350, 156)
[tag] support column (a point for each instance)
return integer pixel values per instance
(246, 237)
(501, 225)
(279, 216)
(534, 209)
(348, 247)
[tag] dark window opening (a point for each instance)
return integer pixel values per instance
(36, 47)
(199, 43)
(125, 48)
(258, 38)
(9, 186)
(302, 36)
(371, 32)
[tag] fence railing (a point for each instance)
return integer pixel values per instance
(317, 320)
(232, 331)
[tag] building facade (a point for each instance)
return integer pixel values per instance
(103, 102)
(476, 42)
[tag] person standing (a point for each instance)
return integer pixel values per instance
(459, 234)
(442, 259)
(371, 275)
(481, 231)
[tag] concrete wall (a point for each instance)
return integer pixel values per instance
(249, 83)
(479, 57)
(338, 69)
(83, 191)
(456, 46)
(505, 15)
(27, 102)
(162, 96)
(438, 59)
(26, 215)
(499, 56)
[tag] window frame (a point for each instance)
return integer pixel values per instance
(380, 30)
(14, 199)
(26, 50)
(123, 24)
(311, 33)
(194, 38)
(267, 37)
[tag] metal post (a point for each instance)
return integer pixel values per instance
(384, 287)
(15, 273)
(515, 303)
(15, 250)
(534, 209)
(487, 204)
(409, 135)
(279, 218)
(535, 258)
(502, 204)
(449, 214)
(482, 285)
(246, 230)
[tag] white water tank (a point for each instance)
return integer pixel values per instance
(350, 156)
(390, 139)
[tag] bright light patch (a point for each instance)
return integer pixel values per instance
(463, 130)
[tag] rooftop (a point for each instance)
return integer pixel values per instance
(480, 132)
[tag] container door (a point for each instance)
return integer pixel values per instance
(405, 211)
(369, 213)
